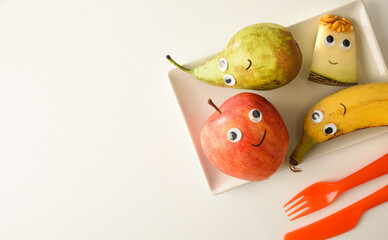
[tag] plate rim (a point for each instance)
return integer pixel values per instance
(215, 190)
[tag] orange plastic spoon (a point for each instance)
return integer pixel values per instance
(341, 221)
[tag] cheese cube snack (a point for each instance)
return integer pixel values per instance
(334, 59)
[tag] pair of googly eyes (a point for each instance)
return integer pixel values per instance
(234, 134)
(329, 41)
(228, 79)
(317, 117)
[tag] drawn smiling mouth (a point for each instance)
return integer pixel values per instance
(262, 140)
(250, 63)
(333, 63)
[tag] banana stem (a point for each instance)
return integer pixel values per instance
(305, 143)
(177, 65)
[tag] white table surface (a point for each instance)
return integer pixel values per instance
(92, 142)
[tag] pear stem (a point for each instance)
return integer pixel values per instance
(176, 64)
(211, 103)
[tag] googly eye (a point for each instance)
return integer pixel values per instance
(330, 129)
(229, 80)
(317, 116)
(345, 44)
(255, 115)
(234, 135)
(329, 40)
(223, 64)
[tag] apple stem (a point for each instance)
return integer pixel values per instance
(211, 103)
(176, 64)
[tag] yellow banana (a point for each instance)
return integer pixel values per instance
(345, 111)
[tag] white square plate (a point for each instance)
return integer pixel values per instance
(293, 101)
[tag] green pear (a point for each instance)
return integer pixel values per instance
(262, 56)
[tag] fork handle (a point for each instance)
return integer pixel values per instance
(374, 170)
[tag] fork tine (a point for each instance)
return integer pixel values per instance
(308, 211)
(298, 208)
(299, 201)
(293, 199)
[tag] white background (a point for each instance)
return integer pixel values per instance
(92, 143)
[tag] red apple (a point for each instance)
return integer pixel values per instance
(246, 137)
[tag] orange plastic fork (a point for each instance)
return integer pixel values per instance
(321, 194)
(341, 221)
